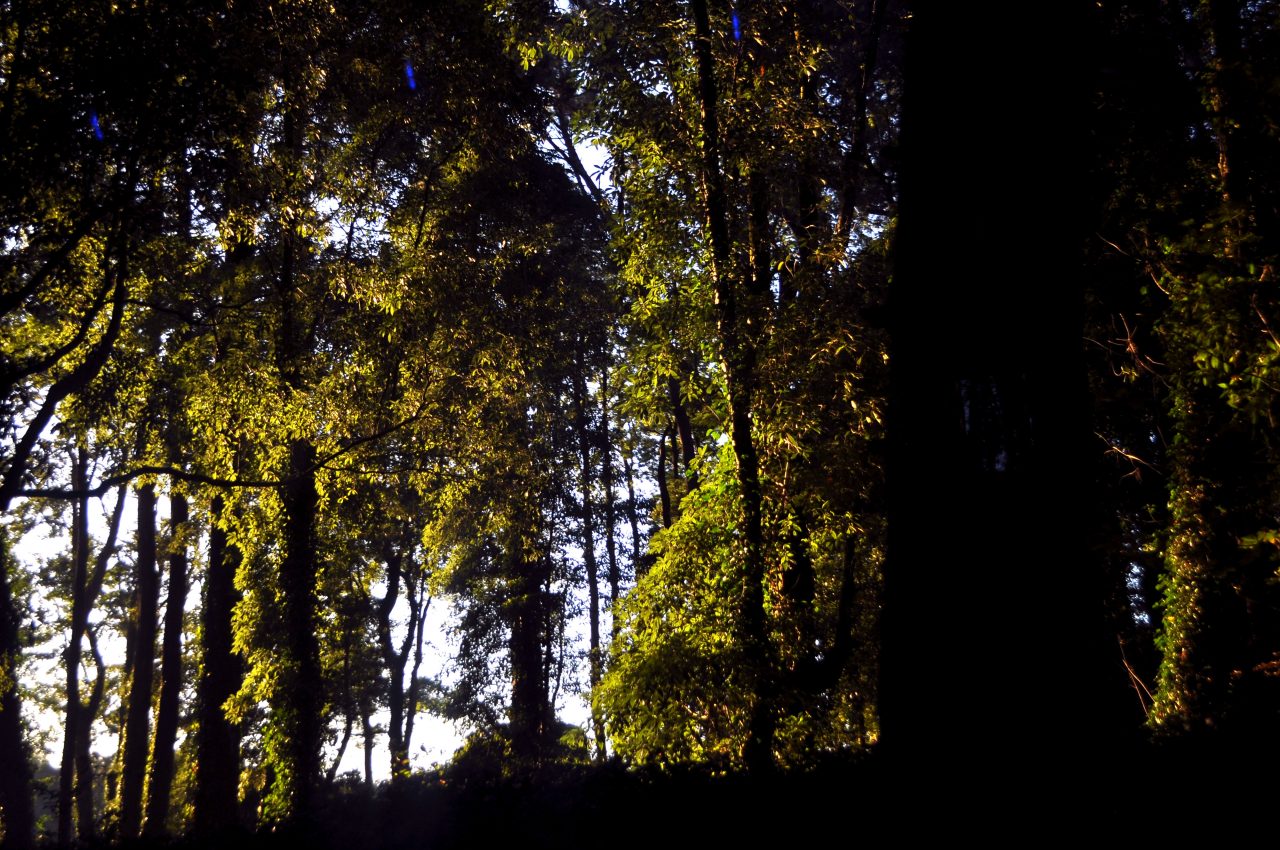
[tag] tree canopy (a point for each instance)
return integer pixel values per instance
(789, 383)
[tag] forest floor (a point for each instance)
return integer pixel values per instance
(1178, 795)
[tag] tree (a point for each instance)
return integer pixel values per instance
(341, 282)
(1218, 638)
(76, 769)
(136, 734)
(498, 521)
(740, 117)
(217, 737)
(90, 123)
(161, 773)
(988, 443)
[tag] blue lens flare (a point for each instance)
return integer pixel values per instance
(408, 73)
(737, 29)
(93, 122)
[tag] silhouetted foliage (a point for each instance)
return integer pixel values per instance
(835, 401)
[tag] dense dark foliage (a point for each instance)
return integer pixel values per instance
(842, 397)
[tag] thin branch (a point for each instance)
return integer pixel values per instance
(1138, 686)
(571, 155)
(15, 373)
(125, 477)
(73, 381)
(10, 300)
(190, 477)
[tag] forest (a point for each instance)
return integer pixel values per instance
(846, 402)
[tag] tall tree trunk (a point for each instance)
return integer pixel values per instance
(160, 778)
(217, 738)
(610, 508)
(1218, 632)
(664, 492)
(737, 351)
(71, 656)
(553, 656)
(987, 444)
(15, 778)
(300, 699)
(396, 659)
(86, 827)
(297, 704)
(586, 479)
(633, 517)
(1205, 624)
(146, 600)
(411, 703)
(366, 729)
(162, 756)
(527, 610)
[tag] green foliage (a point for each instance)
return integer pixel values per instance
(677, 690)
(280, 249)
(674, 690)
(796, 112)
(1223, 390)
(1223, 394)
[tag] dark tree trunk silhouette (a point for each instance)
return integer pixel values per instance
(664, 491)
(160, 784)
(73, 725)
(142, 651)
(15, 779)
(301, 696)
(367, 733)
(633, 516)
(86, 828)
(217, 738)
(422, 606)
(610, 506)
(530, 679)
(586, 479)
(395, 659)
(395, 662)
(987, 403)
